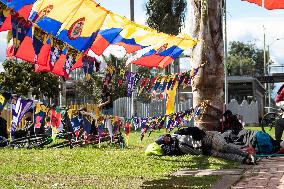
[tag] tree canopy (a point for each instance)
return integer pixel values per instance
(245, 59)
(20, 78)
(166, 16)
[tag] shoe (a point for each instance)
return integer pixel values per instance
(250, 160)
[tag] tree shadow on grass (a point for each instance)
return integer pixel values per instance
(181, 182)
(199, 162)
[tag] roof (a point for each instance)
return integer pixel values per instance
(244, 79)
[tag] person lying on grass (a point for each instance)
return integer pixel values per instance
(210, 143)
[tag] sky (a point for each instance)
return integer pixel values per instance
(245, 23)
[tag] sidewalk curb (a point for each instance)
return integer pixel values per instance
(227, 181)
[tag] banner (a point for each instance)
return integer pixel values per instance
(19, 109)
(130, 82)
(40, 114)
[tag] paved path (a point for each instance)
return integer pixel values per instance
(230, 176)
(269, 174)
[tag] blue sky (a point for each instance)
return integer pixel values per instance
(245, 23)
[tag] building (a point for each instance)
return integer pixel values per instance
(247, 88)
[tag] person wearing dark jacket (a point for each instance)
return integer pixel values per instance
(168, 144)
(231, 122)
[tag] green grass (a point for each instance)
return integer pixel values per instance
(105, 167)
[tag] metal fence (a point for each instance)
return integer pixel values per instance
(122, 107)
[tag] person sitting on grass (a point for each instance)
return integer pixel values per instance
(231, 122)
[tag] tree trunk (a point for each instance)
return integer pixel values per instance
(206, 22)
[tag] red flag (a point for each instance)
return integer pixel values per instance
(258, 2)
(55, 118)
(274, 4)
(26, 50)
(25, 11)
(127, 128)
(43, 62)
(7, 24)
(78, 64)
(58, 68)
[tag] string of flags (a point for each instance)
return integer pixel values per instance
(104, 123)
(169, 122)
(158, 83)
(57, 35)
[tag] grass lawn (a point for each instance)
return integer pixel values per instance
(105, 167)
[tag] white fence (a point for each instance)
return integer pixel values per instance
(248, 112)
(122, 107)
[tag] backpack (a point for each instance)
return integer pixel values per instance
(263, 143)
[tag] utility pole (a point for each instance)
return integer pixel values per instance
(132, 10)
(264, 52)
(226, 53)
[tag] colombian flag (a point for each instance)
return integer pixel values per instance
(75, 22)
(165, 54)
(86, 25)
(109, 31)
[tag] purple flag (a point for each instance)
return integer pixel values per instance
(136, 123)
(130, 82)
(144, 127)
(19, 109)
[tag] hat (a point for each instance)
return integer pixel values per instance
(282, 144)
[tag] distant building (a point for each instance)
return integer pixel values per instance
(247, 88)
